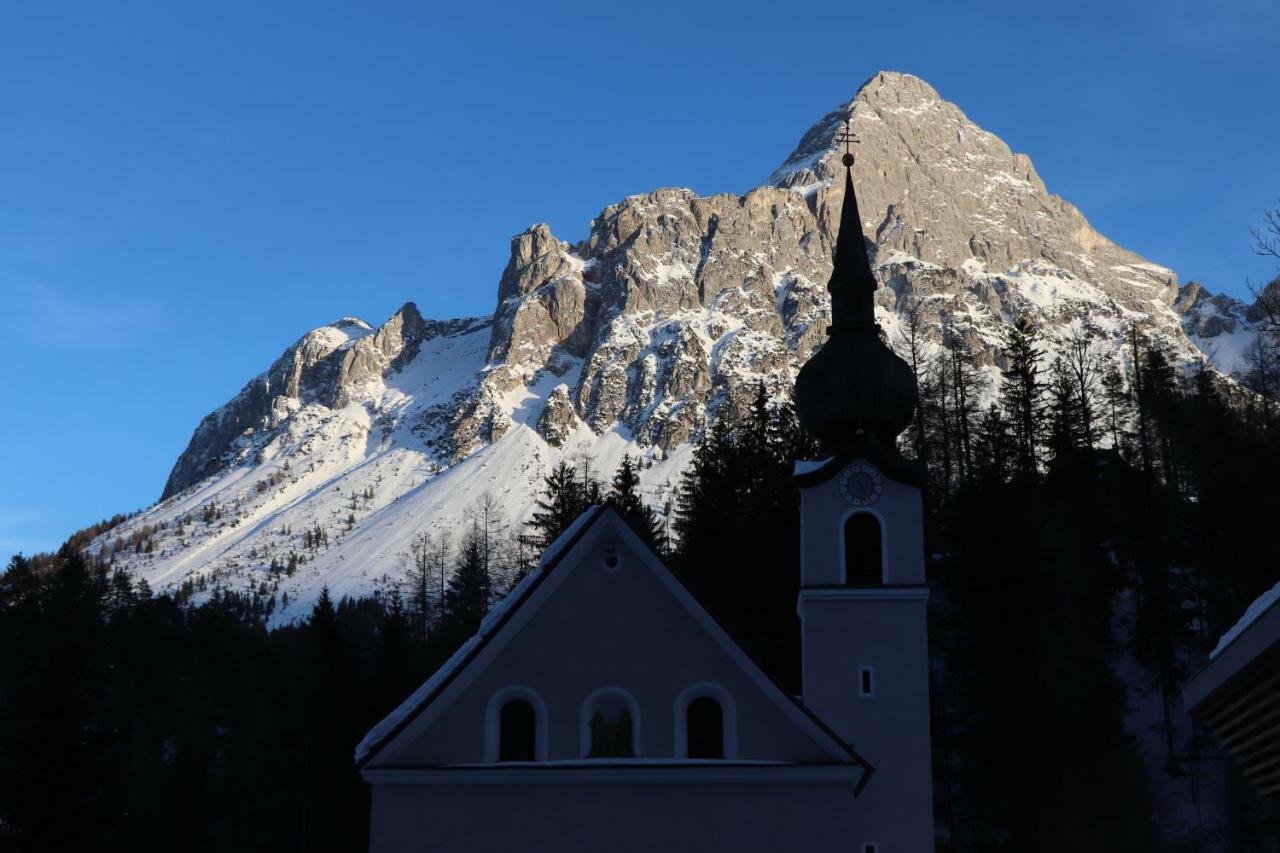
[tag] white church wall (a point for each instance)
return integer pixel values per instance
(601, 628)
(737, 817)
(880, 629)
(823, 513)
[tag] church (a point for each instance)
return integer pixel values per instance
(601, 707)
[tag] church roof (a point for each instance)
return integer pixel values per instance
(394, 722)
(382, 734)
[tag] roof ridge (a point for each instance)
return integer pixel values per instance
(390, 726)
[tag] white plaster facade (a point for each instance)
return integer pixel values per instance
(789, 779)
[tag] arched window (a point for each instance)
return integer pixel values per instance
(706, 723)
(515, 727)
(863, 559)
(704, 727)
(611, 725)
(517, 731)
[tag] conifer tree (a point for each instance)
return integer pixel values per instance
(1022, 392)
(916, 354)
(564, 497)
(393, 670)
(467, 595)
(330, 717)
(736, 483)
(966, 388)
(1065, 413)
(939, 393)
(1160, 418)
(1118, 418)
(1085, 364)
(995, 448)
(624, 496)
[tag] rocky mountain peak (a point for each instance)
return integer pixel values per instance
(331, 366)
(1224, 328)
(536, 257)
(668, 314)
(351, 325)
(935, 186)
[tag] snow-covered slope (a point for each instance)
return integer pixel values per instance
(364, 471)
(1226, 330)
(668, 315)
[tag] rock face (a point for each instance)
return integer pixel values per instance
(330, 366)
(306, 371)
(557, 420)
(1225, 329)
(936, 187)
(670, 312)
(676, 306)
(385, 352)
(544, 300)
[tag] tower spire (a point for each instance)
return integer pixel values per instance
(852, 286)
(854, 389)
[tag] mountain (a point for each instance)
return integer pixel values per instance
(669, 314)
(1226, 330)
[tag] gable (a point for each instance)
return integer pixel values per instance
(581, 627)
(390, 727)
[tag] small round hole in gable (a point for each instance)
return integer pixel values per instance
(612, 561)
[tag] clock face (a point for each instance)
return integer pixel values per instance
(861, 484)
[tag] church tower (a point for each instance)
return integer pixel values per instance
(863, 596)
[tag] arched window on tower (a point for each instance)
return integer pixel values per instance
(704, 727)
(517, 731)
(863, 554)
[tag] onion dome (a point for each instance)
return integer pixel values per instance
(854, 388)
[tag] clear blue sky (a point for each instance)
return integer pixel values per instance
(186, 187)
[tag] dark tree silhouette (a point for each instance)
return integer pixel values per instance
(1022, 392)
(565, 496)
(176, 720)
(624, 496)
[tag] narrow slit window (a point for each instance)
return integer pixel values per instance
(517, 731)
(863, 560)
(866, 681)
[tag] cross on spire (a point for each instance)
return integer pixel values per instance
(845, 135)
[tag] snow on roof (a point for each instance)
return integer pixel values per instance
(1261, 605)
(393, 721)
(806, 466)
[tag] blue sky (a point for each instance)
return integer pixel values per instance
(185, 188)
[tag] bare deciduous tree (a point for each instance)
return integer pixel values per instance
(1085, 360)
(427, 558)
(1266, 242)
